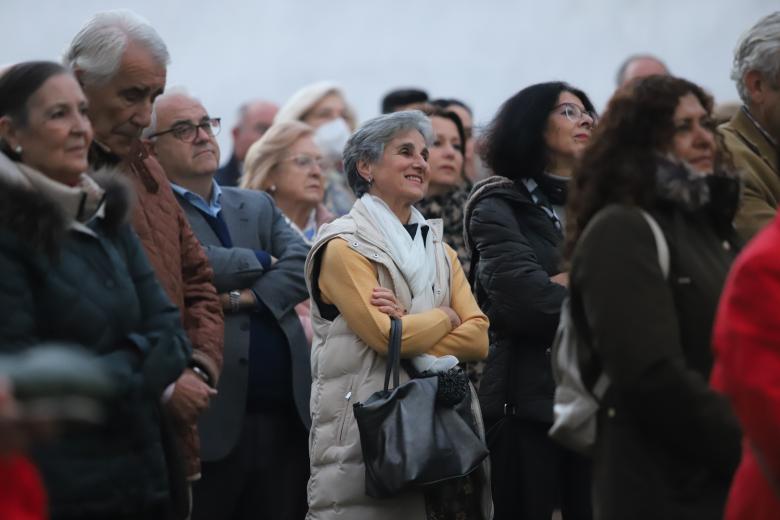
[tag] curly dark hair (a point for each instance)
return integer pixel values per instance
(618, 166)
(513, 145)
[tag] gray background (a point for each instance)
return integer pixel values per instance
(228, 51)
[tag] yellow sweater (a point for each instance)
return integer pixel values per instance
(349, 283)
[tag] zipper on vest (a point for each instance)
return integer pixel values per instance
(345, 410)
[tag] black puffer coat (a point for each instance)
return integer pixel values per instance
(96, 290)
(516, 248)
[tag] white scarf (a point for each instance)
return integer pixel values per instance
(416, 259)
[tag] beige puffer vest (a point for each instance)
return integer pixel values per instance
(345, 371)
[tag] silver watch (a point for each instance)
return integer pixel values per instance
(235, 300)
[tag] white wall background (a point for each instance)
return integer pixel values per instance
(482, 52)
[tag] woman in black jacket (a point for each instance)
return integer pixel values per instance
(667, 444)
(514, 227)
(73, 271)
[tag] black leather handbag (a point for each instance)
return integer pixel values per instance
(409, 437)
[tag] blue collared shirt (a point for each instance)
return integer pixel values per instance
(212, 208)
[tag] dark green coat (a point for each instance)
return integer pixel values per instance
(99, 292)
(667, 444)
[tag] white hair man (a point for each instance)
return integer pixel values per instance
(254, 119)
(639, 66)
(258, 422)
(120, 61)
(753, 134)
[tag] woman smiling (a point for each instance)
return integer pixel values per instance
(384, 259)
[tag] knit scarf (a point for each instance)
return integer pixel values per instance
(415, 257)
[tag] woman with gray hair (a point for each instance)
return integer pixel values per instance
(381, 260)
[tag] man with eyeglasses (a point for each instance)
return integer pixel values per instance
(254, 120)
(254, 434)
(120, 61)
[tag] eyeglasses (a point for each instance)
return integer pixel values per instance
(307, 161)
(575, 114)
(186, 131)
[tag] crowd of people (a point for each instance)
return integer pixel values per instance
(241, 312)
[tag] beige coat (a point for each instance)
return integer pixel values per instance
(345, 371)
(756, 159)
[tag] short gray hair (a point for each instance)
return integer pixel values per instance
(98, 47)
(758, 49)
(368, 142)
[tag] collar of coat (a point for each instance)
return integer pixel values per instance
(754, 137)
(494, 185)
(41, 212)
(677, 183)
(358, 223)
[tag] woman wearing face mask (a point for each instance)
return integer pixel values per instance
(323, 106)
(667, 444)
(73, 271)
(514, 229)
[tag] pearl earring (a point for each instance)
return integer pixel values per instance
(272, 188)
(18, 149)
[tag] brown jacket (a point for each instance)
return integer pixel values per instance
(182, 269)
(756, 159)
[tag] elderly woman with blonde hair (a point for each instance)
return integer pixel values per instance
(323, 106)
(288, 165)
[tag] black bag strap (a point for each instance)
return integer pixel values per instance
(394, 353)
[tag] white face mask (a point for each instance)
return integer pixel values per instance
(331, 139)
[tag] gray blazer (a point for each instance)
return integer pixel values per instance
(254, 222)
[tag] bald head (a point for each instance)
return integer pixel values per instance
(640, 66)
(184, 160)
(255, 118)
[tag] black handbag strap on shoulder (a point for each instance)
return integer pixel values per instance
(394, 353)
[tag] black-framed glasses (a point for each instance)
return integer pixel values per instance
(186, 131)
(574, 113)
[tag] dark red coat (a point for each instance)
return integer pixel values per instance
(21, 492)
(747, 348)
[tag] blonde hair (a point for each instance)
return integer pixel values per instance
(306, 98)
(267, 152)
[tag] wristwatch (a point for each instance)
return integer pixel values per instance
(235, 300)
(201, 374)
